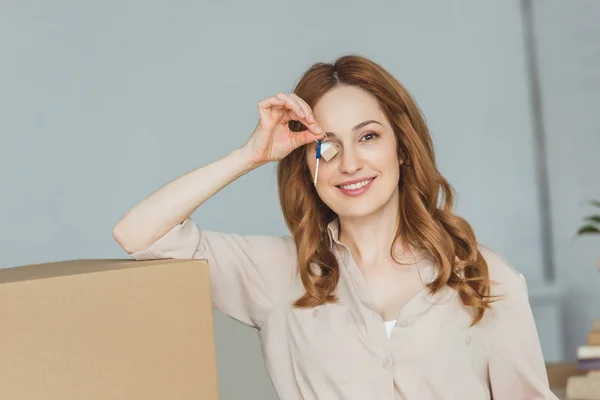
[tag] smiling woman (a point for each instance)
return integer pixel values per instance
(377, 127)
(381, 291)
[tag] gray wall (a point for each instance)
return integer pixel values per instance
(568, 38)
(102, 103)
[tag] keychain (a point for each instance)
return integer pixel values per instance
(327, 150)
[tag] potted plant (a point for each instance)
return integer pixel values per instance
(591, 224)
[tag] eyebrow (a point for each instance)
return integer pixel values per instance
(356, 128)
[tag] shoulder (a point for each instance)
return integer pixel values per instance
(504, 276)
(274, 247)
(510, 308)
(278, 249)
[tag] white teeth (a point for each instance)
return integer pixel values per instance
(357, 185)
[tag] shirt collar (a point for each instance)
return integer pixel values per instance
(333, 230)
(427, 268)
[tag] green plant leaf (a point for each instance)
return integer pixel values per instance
(588, 229)
(593, 218)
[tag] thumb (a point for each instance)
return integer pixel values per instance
(305, 137)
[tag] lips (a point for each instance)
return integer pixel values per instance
(356, 187)
(355, 184)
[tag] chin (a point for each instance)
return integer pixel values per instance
(353, 207)
(357, 210)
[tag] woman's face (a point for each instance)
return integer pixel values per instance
(363, 176)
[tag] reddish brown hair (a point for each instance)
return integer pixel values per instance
(425, 226)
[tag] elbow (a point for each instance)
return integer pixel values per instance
(124, 240)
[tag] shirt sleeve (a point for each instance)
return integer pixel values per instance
(516, 366)
(248, 274)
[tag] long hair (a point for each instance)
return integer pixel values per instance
(425, 225)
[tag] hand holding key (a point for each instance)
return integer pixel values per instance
(272, 138)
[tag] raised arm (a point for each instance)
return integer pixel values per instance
(173, 203)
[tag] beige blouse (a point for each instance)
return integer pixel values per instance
(342, 351)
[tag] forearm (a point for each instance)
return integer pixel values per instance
(154, 216)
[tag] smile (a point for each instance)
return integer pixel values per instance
(356, 188)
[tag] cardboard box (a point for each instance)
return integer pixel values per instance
(107, 329)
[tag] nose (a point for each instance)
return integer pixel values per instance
(350, 161)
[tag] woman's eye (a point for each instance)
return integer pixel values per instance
(370, 136)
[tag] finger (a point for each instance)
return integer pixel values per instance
(312, 123)
(303, 137)
(270, 102)
(296, 113)
(283, 105)
(265, 106)
(305, 107)
(314, 128)
(294, 105)
(292, 115)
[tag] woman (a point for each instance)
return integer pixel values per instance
(381, 292)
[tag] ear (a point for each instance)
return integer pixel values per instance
(401, 157)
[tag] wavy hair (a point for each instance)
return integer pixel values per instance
(427, 227)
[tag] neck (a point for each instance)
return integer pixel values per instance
(371, 237)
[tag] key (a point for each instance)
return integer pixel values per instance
(318, 158)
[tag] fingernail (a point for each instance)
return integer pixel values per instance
(311, 118)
